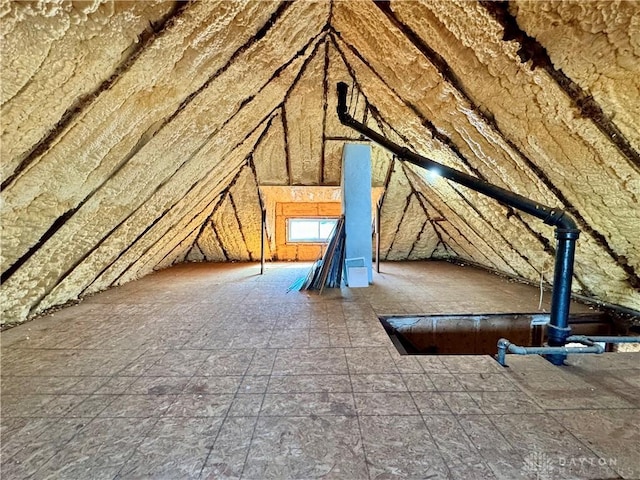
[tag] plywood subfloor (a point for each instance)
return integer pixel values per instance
(215, 372)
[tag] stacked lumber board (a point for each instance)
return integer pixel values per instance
(327, 271)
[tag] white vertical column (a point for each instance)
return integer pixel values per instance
(356, 202)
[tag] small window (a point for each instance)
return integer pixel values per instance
(310, 230)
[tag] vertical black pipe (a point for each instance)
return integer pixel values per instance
(558, 329)
(566, 229)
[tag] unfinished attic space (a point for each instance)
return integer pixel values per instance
(320, 239)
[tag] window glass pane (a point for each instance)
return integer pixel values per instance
(302, 229)
(326, 227)
(310, 229)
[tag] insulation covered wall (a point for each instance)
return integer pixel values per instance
(137, 134)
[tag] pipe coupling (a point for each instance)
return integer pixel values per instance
(557, 334)
(567, 233)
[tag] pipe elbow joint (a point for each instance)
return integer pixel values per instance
(566, 226)
(503, 343)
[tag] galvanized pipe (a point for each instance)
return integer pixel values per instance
(566, 229)
(591, 346)
(608, 339)
(505, 346)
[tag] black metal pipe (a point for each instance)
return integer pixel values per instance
(549, 215)
(566, 228)
(558, 329)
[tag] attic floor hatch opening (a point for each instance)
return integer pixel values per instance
(475, 334)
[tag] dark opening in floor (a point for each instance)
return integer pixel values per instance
(474, 334)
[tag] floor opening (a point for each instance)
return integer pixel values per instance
(475, 334)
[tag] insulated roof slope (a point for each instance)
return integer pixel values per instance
(136, 134)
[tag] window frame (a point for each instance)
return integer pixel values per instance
(309, 241)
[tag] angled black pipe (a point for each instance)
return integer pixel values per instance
(566, 229)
